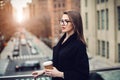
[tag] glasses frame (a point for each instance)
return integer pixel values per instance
(64, 22)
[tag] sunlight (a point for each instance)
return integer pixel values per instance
(18, 6)
(19, 16)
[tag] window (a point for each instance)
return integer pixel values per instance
(87, 40)
(107, 50)
(86, 20)
(102, 1)
(63, 5)
(103, 48)
(102, 18)
(54, 5)
(87, 43)
(98, 19)
(98, 47)
(107, 19)
(118, 52)
(59, 5)
(98, 1)
(119, 18)
(86, 3)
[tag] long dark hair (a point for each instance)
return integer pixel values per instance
(76, 20)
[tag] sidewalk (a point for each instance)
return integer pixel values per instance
(97, 63)
(7, 50)
(3, 66)
(3, 58)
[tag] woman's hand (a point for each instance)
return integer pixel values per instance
(38, 73)
(54, 73)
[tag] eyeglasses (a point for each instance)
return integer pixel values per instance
(64, 22)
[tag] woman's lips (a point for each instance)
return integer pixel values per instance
(63, 28)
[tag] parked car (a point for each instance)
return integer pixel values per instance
(29, 43)
(28, 65)
(15, 54)
(111, 73)
(15, 51)
(23, 42)
(33, 51)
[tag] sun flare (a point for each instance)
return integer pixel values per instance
(19, 17)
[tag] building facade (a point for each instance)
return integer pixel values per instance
(55, 9)
(101, 21)
(5, 17)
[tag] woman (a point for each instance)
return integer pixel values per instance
(70, 59)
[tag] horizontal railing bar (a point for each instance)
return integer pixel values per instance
(105, 69)
(28, 75)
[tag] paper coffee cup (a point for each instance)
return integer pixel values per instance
(48, 65)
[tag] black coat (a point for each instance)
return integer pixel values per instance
(71, 58)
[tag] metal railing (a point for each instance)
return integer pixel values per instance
(105, 69)
(24, 77)
(111, 73)
(93, 75)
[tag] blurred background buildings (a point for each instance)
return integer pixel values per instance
(101, 21)
(49, 12)
(6, 22)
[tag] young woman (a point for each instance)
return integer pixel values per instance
(70, 59)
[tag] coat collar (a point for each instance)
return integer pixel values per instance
(69, 40)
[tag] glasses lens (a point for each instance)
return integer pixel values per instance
(61, 22)
(64, 22)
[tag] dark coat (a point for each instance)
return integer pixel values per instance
(71, 58)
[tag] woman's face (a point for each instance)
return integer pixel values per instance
(66, 24)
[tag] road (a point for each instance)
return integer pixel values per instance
(25, 55)
(11, 67)
(24, 51)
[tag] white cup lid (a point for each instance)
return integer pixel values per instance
(47, 63)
